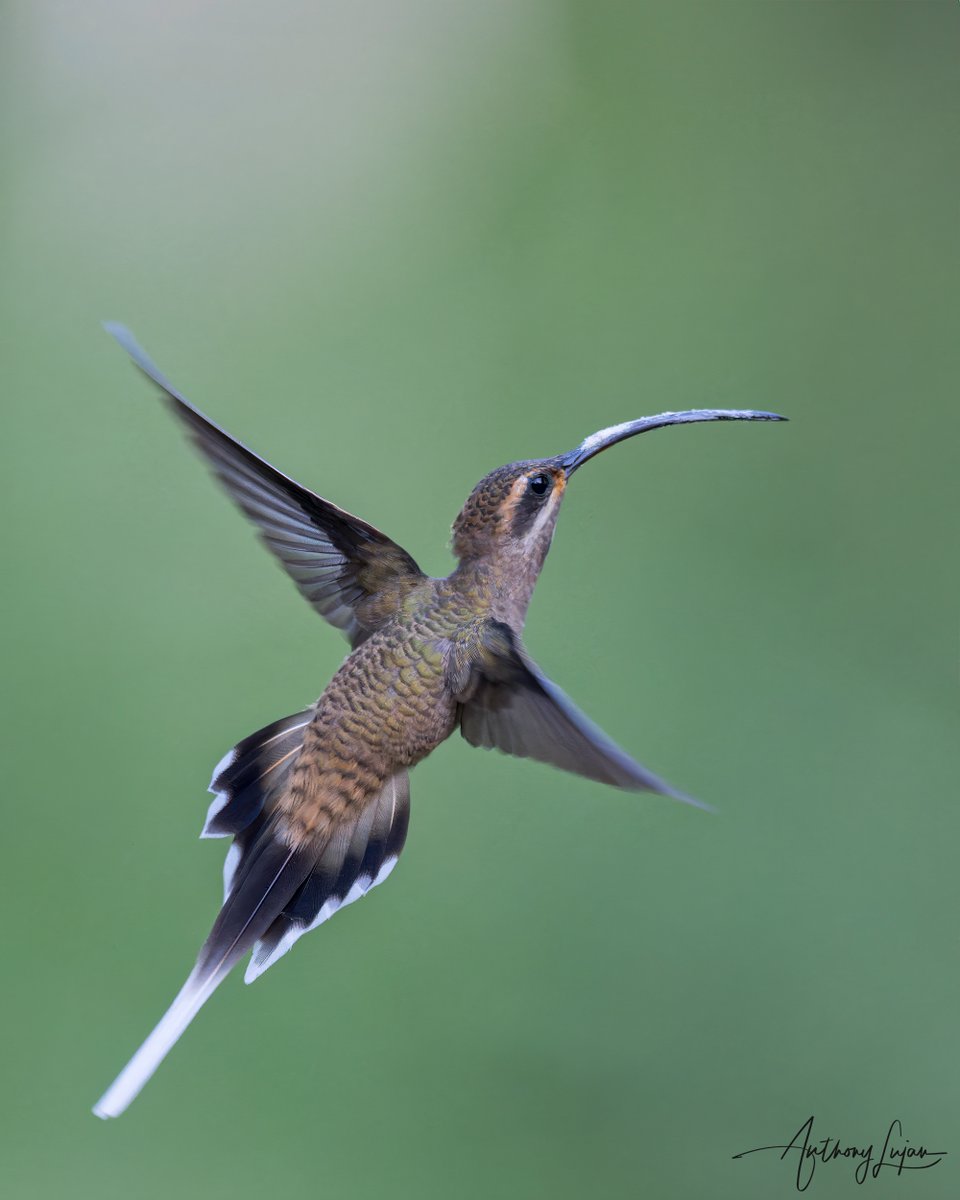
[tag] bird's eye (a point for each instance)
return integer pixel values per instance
(539, 484)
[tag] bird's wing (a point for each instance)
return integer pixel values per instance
(351, 573)
(508, 704)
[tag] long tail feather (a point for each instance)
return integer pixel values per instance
(190, 999)
(266, 879)
(275, 890)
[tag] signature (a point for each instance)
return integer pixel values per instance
(897, 1154)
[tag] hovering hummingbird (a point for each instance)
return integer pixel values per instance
(317, 803)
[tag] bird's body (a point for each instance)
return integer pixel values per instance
(384, 710)
(318, 802)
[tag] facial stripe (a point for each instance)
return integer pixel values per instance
(544, 516)
(526, 511)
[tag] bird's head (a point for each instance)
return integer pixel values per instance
(511, 514)
(513, 509)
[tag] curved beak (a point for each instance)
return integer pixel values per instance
(618, 433)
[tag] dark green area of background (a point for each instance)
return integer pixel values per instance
(392, 246)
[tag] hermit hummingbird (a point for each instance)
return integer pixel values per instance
(317, 803)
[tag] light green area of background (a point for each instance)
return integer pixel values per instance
(393, 246)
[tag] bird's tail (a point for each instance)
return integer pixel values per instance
(198, 988)
(267, 876)
(261, 873)
(269, 872)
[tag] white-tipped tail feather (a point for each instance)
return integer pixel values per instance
(220, 798)
(263, 957)
(128, 1084)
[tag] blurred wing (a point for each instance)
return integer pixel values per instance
(351, 573)
(508, 704)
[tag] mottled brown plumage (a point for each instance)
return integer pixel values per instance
(317, 803)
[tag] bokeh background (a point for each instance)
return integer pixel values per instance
(393, 246)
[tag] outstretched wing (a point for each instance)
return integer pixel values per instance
(351, 573)
(508, 704)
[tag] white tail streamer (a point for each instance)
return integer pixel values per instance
(128, 1084)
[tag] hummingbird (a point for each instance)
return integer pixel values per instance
(317, 803)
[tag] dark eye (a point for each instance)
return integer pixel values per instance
(539, 484)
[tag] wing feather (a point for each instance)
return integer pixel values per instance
(352, 574)
(508, 704)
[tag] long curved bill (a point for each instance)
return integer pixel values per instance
(619, 433)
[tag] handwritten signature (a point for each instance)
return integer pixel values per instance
(897, 1153)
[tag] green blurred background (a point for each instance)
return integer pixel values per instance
(393, 246)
